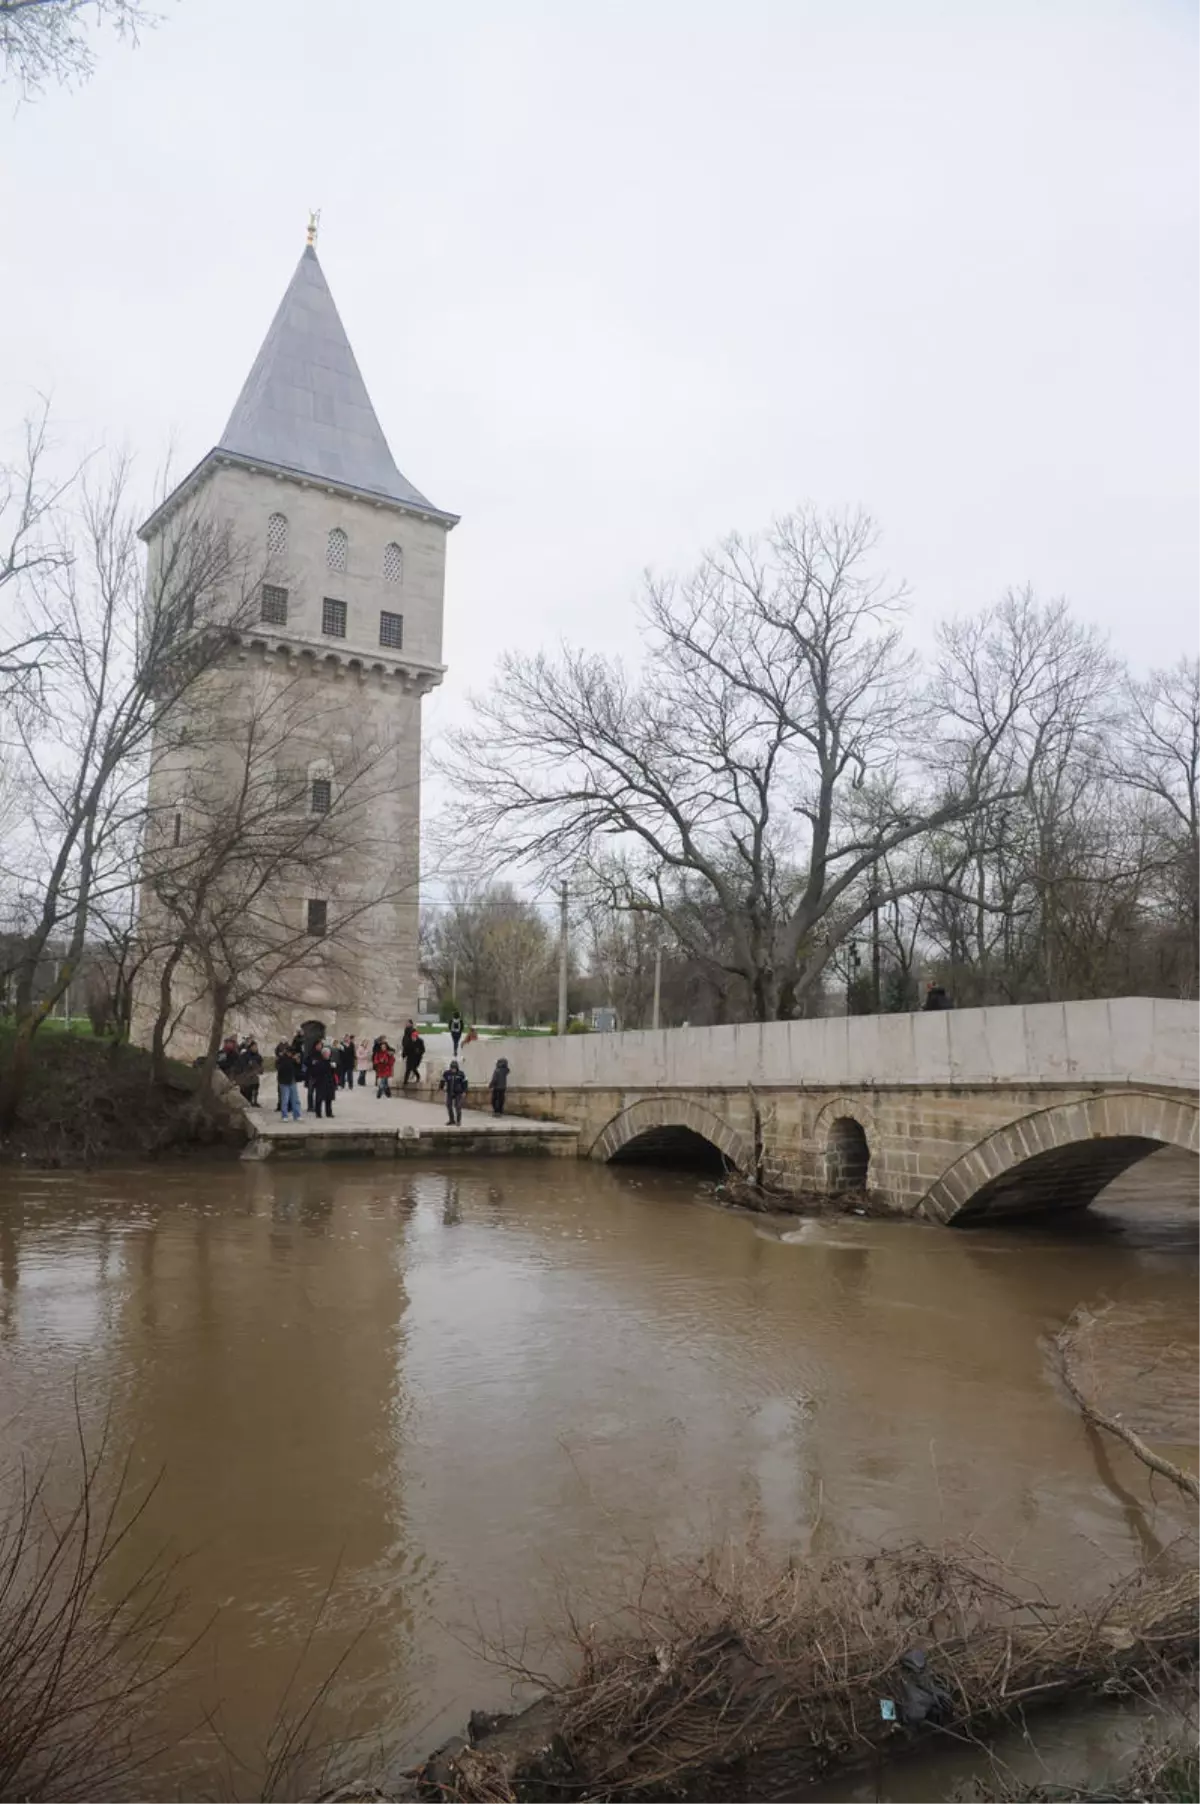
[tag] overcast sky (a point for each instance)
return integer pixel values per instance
(623, 277)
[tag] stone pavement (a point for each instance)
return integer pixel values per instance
(399, 1121)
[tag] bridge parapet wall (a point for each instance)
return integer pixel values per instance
(1126, 1040)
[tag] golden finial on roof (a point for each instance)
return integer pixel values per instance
(314, 220)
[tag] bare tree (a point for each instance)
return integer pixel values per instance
(245, 835)
(32, 543)
(44, 41)
(127, 649)
(1158, 757)
(777, 748)
(498, 945)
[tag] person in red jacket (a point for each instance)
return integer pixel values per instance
(384, 1063)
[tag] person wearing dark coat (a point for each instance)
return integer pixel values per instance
(322, 1080)
(499, 1086)
(287, 1074)
(454, 1083)
(414, 1052)
(249, 1072)
(312, 1058)
(935, 998)
(456, 1033)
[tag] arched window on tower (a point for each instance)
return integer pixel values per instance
(277, 536)
(393, 563)
(336, 548)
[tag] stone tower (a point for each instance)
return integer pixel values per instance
(348, 563)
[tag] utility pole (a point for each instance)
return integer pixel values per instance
(657, 983)
(562, 958)
(876, 996)
(454, 981)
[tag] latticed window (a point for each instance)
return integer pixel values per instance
(318, 915)
(393, 563)
(321, 795)
(333, 618)
(277, 535)
(336, 548)
(274, 603)
(391, 630)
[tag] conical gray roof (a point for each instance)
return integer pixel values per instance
(305, 405)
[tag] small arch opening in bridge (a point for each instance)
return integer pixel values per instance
(847, 1156)
(681, 1148)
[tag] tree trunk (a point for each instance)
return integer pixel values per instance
(220, 1002)
(158, 1044)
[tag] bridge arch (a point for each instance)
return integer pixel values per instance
(662, 1124)
(1059, 1158)
(846, 1139)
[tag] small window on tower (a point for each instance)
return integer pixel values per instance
(318, 914)
(178, 830)
(274, 604)
(391, 630)
(336, 548)
(277, 535)
(393, 563)
(322, 795)
(333, 618)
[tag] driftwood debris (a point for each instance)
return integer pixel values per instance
(1078, 1325)
(737, 1687)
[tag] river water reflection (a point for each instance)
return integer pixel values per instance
(466, 1388)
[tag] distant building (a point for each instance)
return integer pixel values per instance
(354, 562)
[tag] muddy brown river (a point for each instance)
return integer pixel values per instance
(454, 1396)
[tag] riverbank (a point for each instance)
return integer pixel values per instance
(90, 1102)
(727, 1681)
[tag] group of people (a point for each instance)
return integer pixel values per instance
(242, 1063)
(322, 1068)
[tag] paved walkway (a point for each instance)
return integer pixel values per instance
(356, 1111)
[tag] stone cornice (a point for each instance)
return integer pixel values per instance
(218, 459)
(412, 676)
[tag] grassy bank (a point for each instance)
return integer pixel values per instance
(89, 1102)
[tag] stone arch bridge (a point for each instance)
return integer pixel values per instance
(959, 1116)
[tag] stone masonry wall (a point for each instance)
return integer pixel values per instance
(913, 1136)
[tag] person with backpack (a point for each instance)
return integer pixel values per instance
(384, 1063)
(456, 1033)
(454, 1083)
